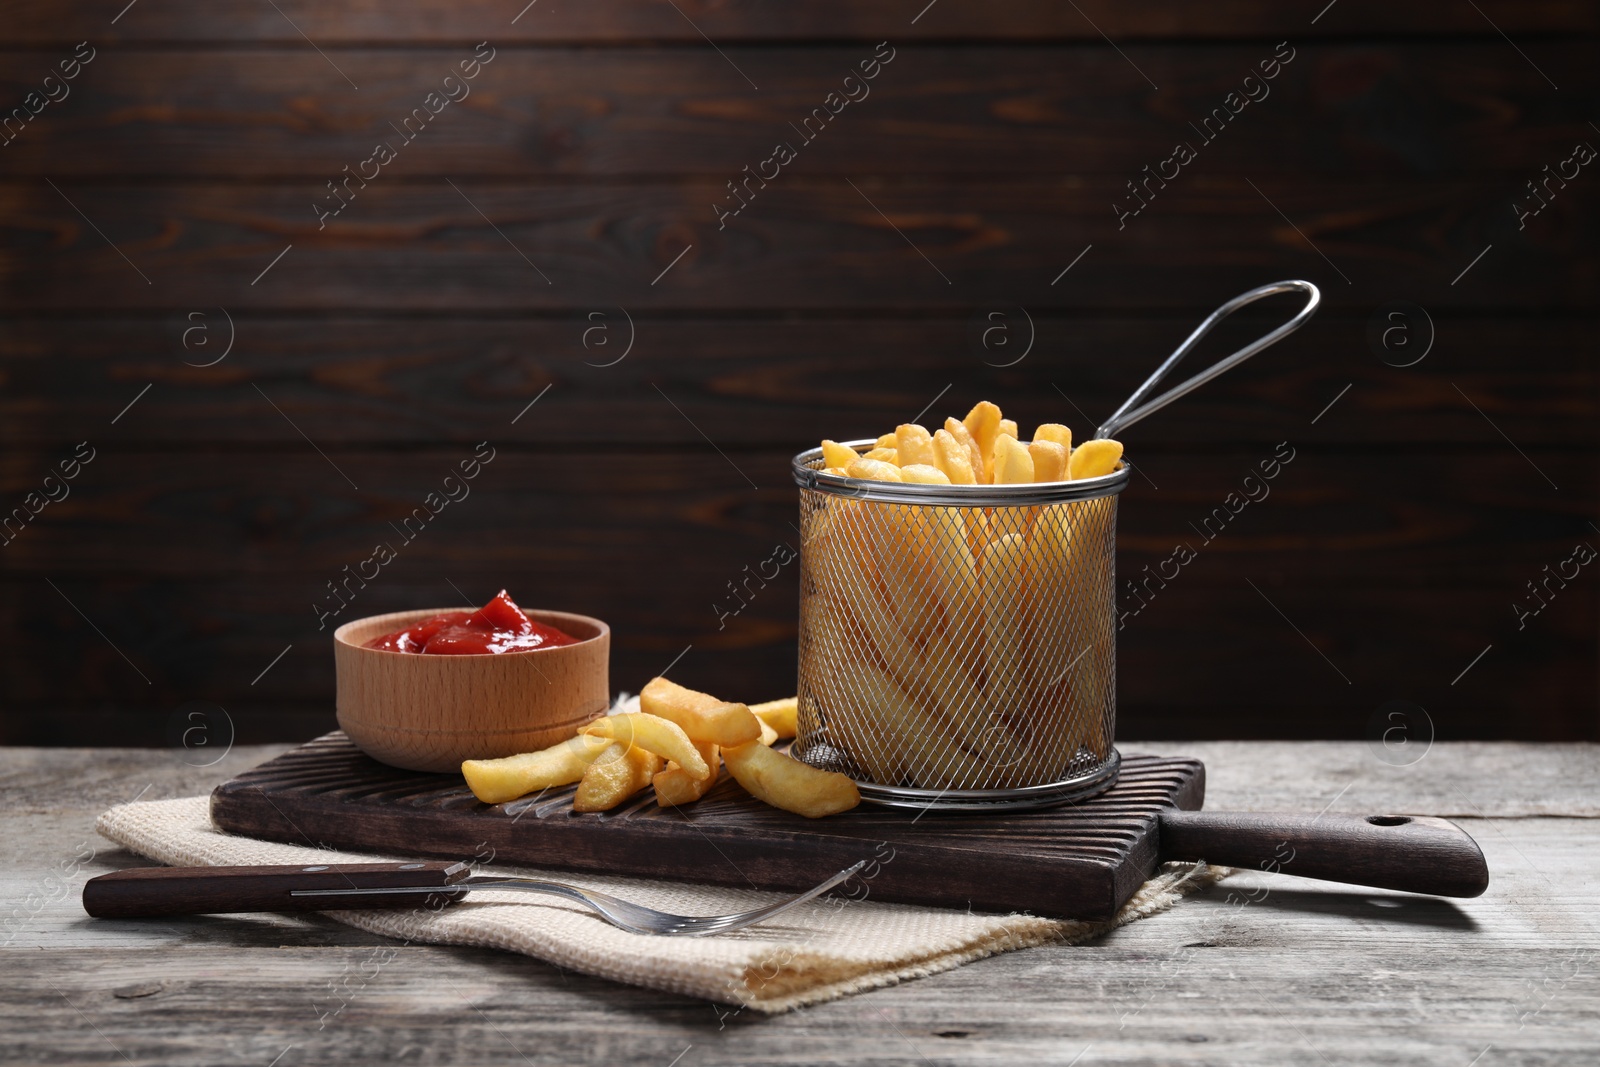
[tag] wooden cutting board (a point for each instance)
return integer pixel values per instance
(1082, 861)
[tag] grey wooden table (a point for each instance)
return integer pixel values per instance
(1259, 970)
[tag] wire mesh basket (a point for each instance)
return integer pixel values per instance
(958, 653)
(958, 643)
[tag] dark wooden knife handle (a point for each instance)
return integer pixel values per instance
(146, 892)
(1412, 853)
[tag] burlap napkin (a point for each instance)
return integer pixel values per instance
(822, 950)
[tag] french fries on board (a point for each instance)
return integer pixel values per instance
(958, 647)
(495, 781)
(653, 734)
(703, 717)
(678, 744)
(789, 784)
(675, 786)
(615, 775)
(782, 715)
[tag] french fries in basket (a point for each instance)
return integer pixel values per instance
(1061, 689)
(963, 647)
(967, 451)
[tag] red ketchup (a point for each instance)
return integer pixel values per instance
(498, 626)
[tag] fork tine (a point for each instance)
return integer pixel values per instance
(636, 918)
(716, 924)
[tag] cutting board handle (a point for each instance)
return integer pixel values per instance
(148, 892)
(1412, 853)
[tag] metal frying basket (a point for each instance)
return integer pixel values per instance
(957, 643)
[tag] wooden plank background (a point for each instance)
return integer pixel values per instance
(142, 217)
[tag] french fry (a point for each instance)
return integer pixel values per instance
(836, 455)
(787, 783)
(782, 715)
(702, 716)
(1007, 609)
(849, 576)
(958, 429)
(955, 580)
(907, 584)
(931, 757)
(1056, 594)
(951, 649)
(1012, 463)
(1052, 570)
(839, 471)
(841, 533)
(979, 532)
(936, 619)
(886, 441)
(929, 575)
(836, 659)
(953, 457)
(914, 444)
(924, 474)
(875, 470)
(1009, 426)
(1094, 458)
(614, 776)
(955, 650)
(1091, 700)
(886, 455)
(496, 781)
(653, 734)
(769, 736)
(1093, 541)
(674, 786)
(983, 423)
(1055, 433)
(1049, 461)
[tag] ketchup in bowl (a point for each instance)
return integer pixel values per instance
(498, 626)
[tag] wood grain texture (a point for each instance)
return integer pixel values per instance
(770, 384)
(1436, 572)
(368, 21)
(1242, 665)
(1414, 853)
(1353, 110)
(801, 246)
(1078, 861)
(1472, 780)
(1081, 861)
(1371, 520)
(1392, 152)
(1248, 973)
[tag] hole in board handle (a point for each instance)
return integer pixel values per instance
(1388, 820)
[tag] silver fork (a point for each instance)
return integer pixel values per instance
(635, 918)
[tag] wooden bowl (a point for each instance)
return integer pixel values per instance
(428, 713)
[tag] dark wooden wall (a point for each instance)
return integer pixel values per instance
(456, 288)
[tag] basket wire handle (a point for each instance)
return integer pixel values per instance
(1132, 410)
